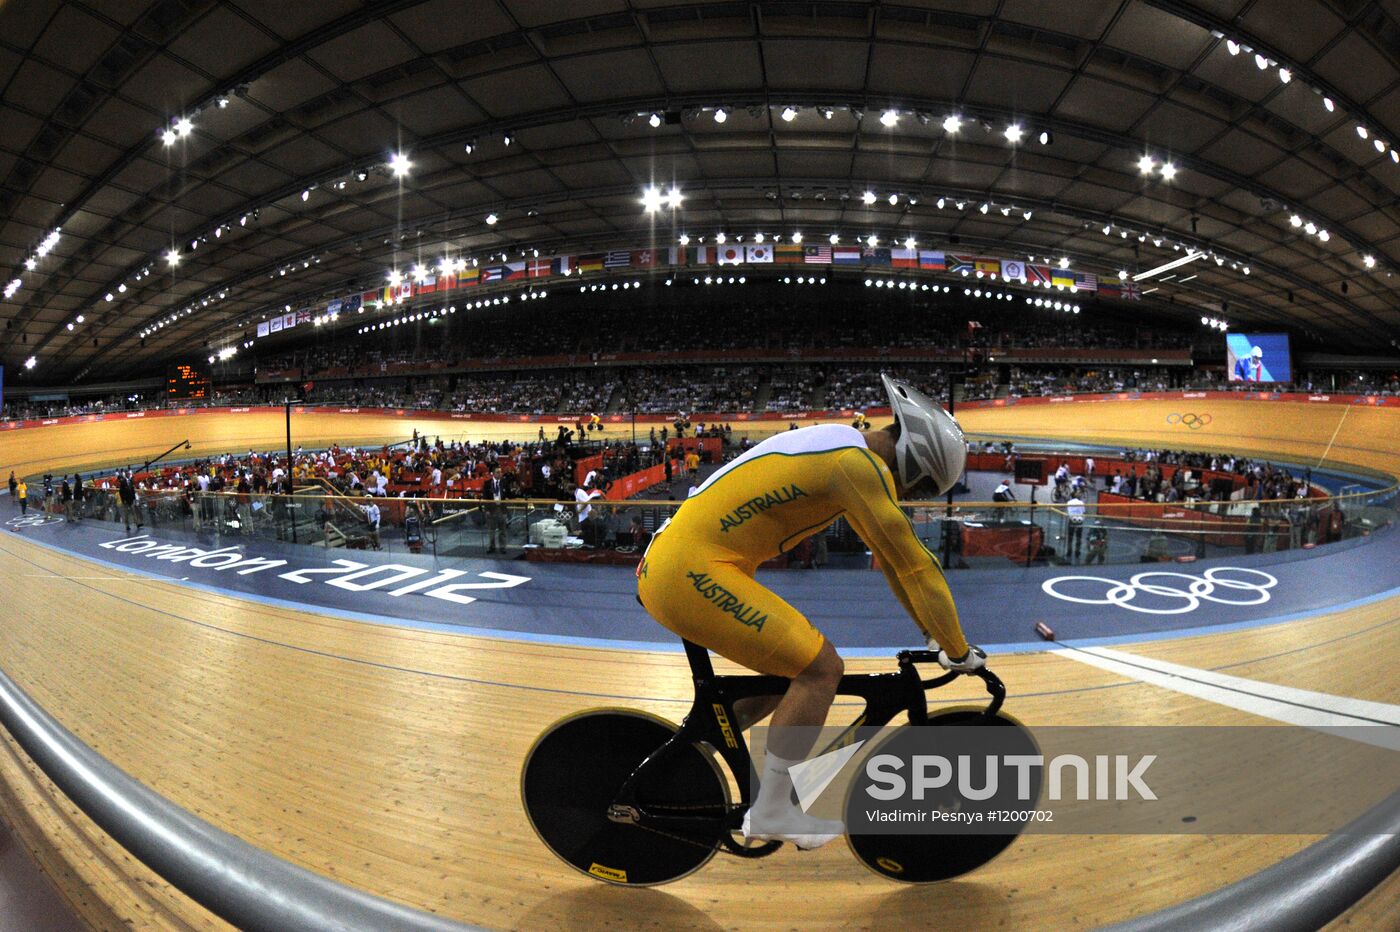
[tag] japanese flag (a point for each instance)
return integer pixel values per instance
(731, 255)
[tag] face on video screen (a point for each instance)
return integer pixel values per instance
(1258, 357)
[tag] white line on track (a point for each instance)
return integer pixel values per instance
(60, 576)
(1345, 411)
(1287, 704)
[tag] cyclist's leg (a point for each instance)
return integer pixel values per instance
(719, 606)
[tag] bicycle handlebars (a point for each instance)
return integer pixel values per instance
(995, 688)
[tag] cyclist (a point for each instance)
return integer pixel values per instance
(697, 577)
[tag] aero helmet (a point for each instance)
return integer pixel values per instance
(931, 444)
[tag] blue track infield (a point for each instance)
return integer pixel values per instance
(595, 606)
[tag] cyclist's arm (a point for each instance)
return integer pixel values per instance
(867, 491)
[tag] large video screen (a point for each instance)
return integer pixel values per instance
(1258, 357)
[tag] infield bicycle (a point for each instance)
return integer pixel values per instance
(630, 798)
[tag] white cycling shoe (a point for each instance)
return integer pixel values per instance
(795, 827)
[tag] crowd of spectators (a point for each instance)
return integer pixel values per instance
(668, 389)
(1029, 382)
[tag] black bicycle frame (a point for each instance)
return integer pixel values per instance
(711, 720)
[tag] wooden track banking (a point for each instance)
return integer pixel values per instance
(388, 758)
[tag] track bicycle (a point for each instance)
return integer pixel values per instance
(630, 798)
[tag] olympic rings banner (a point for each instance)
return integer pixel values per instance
(1166, 592)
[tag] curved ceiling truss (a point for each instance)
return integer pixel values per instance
(285, 127)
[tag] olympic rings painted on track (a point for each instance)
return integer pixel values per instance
(38, 519)
(1204, 587)
(1193, 421)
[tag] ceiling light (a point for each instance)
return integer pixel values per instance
(910, 243)
(1026, 215)
(833, 239)
(674, 198)
(983, 208)
(110, 296)
(168, 137)
(941, 202)
(1232, 46)
(1361, 131)
(1285, 75)
(889, 118)
(507, 139)
(183, 126)
(1310, 228)
(305, 193)
(651, 199)
(893, 199)
(684, 240)
(491, 220)
(1168, 171)
(1295, 220)
(399, 165)
(1368, 261)
(720, 237)
(1046, 137)
(394, 277)
(1323, 235)
(721, 114)
(1064, 262)
(1261, 62)
(758, 237)
(797, 238)
(1013, 133)
(1006, 211)
(173, 257)
(872, 241)
(868, 197)
(789, 114)
(1379, 144)
(30, 363)
(1395, 156)
(31, 263)
(1327, 102)
(1146, 164)
(654, 120)
(1245, 270)
(952, 124)
(826, 112)
(221, 102)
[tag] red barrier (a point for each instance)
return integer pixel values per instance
(1221, 530)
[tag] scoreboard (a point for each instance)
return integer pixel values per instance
(186, 383)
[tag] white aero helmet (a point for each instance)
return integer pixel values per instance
(931, 444)
(1257, 353)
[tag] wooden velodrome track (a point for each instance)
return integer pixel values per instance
(388, 758)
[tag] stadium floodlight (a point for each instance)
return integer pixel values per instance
(172, 257)
(400, 165)
(872, 241)
(651, 199)
(889, 118)
(720, 237)
(184, 126)
(833, 239)
(1013, 133)
(1168, 171)
(654, 120)
(1064, 262)
(1146, 164)
(674, 198)
(789, 114)
(797, 238)
(684, 240)
(910, 243)
(868, 197)
(721, 114)
(491, 220)
(1368, 261)
(951, 124)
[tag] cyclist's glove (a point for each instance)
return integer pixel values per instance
(975, 659)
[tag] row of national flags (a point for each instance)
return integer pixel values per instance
(624, 260)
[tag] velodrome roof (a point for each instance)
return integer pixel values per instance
(279, 191)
